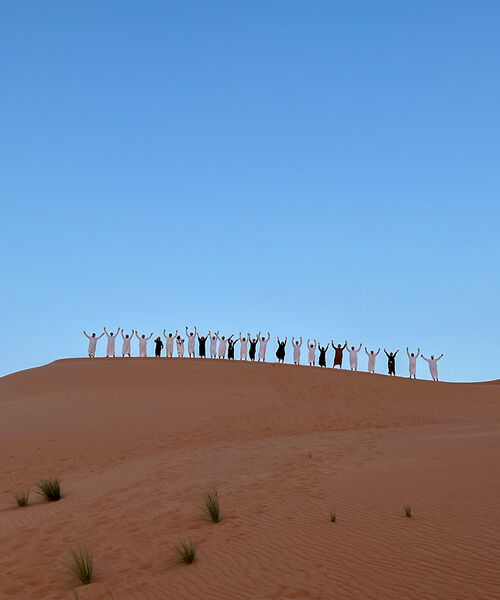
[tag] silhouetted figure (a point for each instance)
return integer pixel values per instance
(391, 361)
(322, 355)
(339, 352)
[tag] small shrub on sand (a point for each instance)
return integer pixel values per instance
(83, 565)
(22, 498)
(211, 503)
(187, 552)
(50, 489)
(408, 510)
(333, 517)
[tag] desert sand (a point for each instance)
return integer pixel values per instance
(137, 442)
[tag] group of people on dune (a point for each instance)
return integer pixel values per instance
(220, 345)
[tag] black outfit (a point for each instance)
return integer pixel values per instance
(201, 346)
(158, 347)
(230, 349)
(253, 349)
(280, 352)
(391, 365)
(322, 356)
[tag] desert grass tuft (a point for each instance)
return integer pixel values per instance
(22, 498)
(83, 565)
(211, 503)
(187, 552)
(50, 489)
(333, 517)
(407, 508)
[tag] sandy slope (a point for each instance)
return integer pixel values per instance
(136, 442)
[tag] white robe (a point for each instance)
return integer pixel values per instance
(262, 348)
(353, 358)
(191, 341)
(243, 349)
(92, 343)
(110, 350)
(213, 346)
(169, 345)
(126, 345)
(180, 347)
(143, 347)
(371, 361)
(296, 352)
(222, 347)
(433, 367)
(413, 363)
(312, 354)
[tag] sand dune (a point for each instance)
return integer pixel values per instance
(136, 443)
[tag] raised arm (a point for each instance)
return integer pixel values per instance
(187, 330)
(359, 348)
(286, 339)
(258, 336)
(217, 335)
(105, 331)
(150, 336)
(268, 336)
(345, 345)
(86, 334)
(386, 353)
(396, 352)
(327, 347)
(376, 353)
(293, 340)
(176, 333)
(195, 330)
(418, 352)
(300, 341)
(315, 344)
(123, 337)
(367, 351)
(248, 335)
(407, 353)
(137, 335)
(118, 330)
(440, 357)
(164, 333)
(100, 336)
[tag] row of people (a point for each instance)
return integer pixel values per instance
(219, 345)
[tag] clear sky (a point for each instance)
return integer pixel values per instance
(325, 169)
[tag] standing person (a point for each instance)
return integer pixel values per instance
(201, 344)
(263, 345)
(280, 352)
(296, 350)
(312, 352)
(110, 350)
(413, 362)
(169, 342)
(158, 347)
(371, 359)
(230, 348)
(92, 342)
(191, 338)
(126, 343)
(433, 368)
(339, 350)
(143, 344)
(180, 346)
(391, 362)
(213, 343)
(222, 346)
(322, 355)
(253, 347)
(353, 357)
(243, 347)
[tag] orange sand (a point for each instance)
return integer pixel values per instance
(136, 443)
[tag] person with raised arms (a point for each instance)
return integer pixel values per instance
(322, 355)
(296, 350)
(433, 368)
(339, 351)
(372, 356)
(280, 352)
(253, 347)
(213, 343)
(191, 338)
(391, 362)
(201, 344)
(143, 344)
(169, 342)
(158, 347)
(110, 350)
(263, 345)
(230, 347)
(312, 352)
(353, 356)
(222, 345)
(243, 347)
(180, 346)
(412, 359)
(92, 342)
(126, 344)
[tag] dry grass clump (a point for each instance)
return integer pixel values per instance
(83, 565)
(187, 552)
(50, 489)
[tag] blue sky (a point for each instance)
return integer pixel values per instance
(324, 169)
